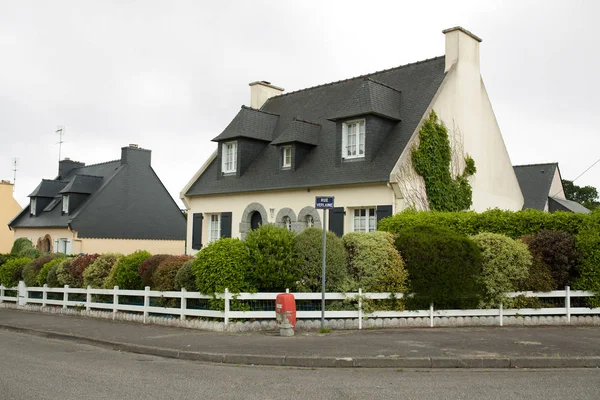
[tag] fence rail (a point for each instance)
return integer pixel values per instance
(87, 298)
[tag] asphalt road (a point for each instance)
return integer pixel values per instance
(33, 367)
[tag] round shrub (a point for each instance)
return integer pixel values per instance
(308, 248)
(33, 268)
(63, 274)
(147, 268)
(442, 267)
(374, 264)
(165, 273)
(185, 278)
(126, 270)
(505, 262)
(10, 271)
(22, 247)
(559, 252)
(273, 266)
(222, 264)
(77, 267)
(42, 277)
(97, 272)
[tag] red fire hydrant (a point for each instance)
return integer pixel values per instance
(285, 310)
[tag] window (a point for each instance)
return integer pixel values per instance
(65, 204)
(364, 220)
(287, 223)
(214, 227)
(353, 139)
(63, 245)
(310, 222)
(286, 157)
(32, 206)
(229, 156)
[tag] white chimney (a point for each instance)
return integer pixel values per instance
(461, 47)
(261, 91)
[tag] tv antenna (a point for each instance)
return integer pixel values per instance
(15, 161)
(61, 131)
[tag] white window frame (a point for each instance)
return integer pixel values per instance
(214, 227)
(353, 139)
(32, 206)
(362, 220)
(287, 222)
(63, 245)
(65, 204)
(229, 158)
(310, 221)
(286, 156)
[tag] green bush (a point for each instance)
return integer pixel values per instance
(442, 267)
(185, 278)
(5, 257)
(42, 277)
(308, 248)
(11, 270)
(223, 264)
(33, 268)
(505, 262)
(126, 270)
(514, 224)
(539, 278)
(273, 266)
(63, 274)
(71, 273)
(165, 273)
(559, 252)
(22, 247)
(588, 243)
(96, 273)
(52, 277)
(147, 268)
(374, 264)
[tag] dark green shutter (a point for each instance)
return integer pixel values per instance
(383, 212)
(226, 225)
(336, 221)
(197, 231)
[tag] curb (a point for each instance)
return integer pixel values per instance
(325, 362)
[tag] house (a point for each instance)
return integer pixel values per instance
(350, 139)
(115, 206)
(542, 188)
(8, 208)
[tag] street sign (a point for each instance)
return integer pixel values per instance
(323, 202)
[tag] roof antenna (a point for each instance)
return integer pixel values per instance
(15, 161)
(61, 132)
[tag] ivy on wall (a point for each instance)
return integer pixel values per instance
(431, 159)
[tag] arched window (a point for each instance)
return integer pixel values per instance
(287, 223)
(310, 221)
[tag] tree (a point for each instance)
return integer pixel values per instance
(587, 196)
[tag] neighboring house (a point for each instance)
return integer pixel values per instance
(350, 139)
(8, 208)
(542, 188)
(116, 206)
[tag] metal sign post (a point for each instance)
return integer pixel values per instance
(324, 203)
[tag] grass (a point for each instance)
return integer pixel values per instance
(324, 330)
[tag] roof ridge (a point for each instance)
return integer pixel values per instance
(382, 84)
(89, 176)
(533, 165)
(100, 163)
(308, 122)
(358, 77)
(52, 180)
(259, 110)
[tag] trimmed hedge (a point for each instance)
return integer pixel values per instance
(42, 277)
(22, 247)
(147, 268)
(96, 273)
(11, 271)
(126, 270)
(185, 278)
(165, 273)
(33, 268)
(588, 243)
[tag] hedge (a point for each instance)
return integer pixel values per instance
(96, 273)
(147, 268)
(185, 278)
(11, 270)
(42, 277)
(126, 270)
(165, 273)
(33, 268)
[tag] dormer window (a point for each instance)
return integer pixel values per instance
(286, 157)
(32, 206)
(353, 139)
(229, 157)
(65, 204)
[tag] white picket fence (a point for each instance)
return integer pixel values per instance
(23, 297)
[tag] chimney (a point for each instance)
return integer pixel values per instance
(133, 154)
(67, 165)
(262, 91)
(462, 47)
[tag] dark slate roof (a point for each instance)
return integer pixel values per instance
(48, 188)
(372, 97)
(567, 205)
(83, 184)
(321, 167)
(299, 131)
(535, 181)
(250, 123)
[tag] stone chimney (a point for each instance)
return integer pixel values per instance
(261, 91)
(133, 154)
(462, 47)
(67, 165)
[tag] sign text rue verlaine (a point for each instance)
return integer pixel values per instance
(323, 203)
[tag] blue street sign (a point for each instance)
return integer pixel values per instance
(323, 202)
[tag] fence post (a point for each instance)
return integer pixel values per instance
(21, 294)
(287, 290)
(1, 294)
(226, 307)
(183, 303)
(431, 315)
(501, 314)
(44, 294)
(568, 303)
(115, 301)
(88, 299)
(65, 296)
(146, 302)
(360, 311)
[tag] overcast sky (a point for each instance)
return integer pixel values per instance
(170, 75)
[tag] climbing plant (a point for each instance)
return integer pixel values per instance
(432, 160)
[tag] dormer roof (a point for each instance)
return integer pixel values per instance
(371, 97)
(82, 184)
(299, 131)
(250, 123)
(48, 188)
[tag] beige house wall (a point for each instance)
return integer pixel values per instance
(9, 208)
(38, 234)
(274, 201)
